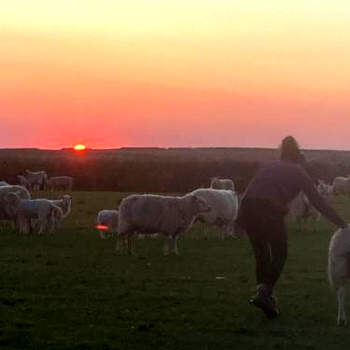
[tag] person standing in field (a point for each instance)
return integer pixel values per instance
(262, 215)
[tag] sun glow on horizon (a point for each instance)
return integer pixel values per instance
(79, 147)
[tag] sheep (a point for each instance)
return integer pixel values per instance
(107, 221)
(301, 209)
(6, 212)
(339, 268)
(223, 208)
(24, 210)
(65, 203)
(341, 185)
(36, 180)
(64, 183)
(222, 184)
(324, 189)
(159, 214)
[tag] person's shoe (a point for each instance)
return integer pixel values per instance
(267, 305)
(266, 302)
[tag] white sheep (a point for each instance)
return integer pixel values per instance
(223, 209)
(6, 212)
(324, 189)
(65, 203)
(42, 210)
(159, 214)
(107, 221)
(339, 268)
(222, 184)
(36, 180)
(300, 209)
(64, 183)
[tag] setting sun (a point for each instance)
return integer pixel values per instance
(80, 147)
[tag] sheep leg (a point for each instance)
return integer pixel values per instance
(341, 306)
(130, 244)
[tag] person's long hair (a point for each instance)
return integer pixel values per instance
(290, 150)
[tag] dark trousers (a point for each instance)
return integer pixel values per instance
(265, 227)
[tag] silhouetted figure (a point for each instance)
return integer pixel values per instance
(262, 215)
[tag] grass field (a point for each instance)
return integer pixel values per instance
(71, 291)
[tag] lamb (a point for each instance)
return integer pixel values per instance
(64, 183)
(223, 209)
(24, 210)
(339, 268)
(36, 180)
(222, 184)
(159, 214)
(341, 185)
(107, 221)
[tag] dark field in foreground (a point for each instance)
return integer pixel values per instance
(71, 291)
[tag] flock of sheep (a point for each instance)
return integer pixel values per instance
(149, 214)
(41, 215)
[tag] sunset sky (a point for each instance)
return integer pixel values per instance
(174, 73)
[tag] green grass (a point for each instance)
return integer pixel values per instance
(71, 291)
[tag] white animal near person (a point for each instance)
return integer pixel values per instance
(324, 189)
(167, 215)
(107, 222)
(222, 184)
(36, 179)
(223, 209)
(42, 210)
(339, 268)
(64, 183)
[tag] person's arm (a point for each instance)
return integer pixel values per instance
(320, 203)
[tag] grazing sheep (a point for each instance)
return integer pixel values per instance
(64, 183)
(36, 180)
(339, 268)
(107, 221)
(341, 185)
(223, 209)
(222, 184)
(159, 214)
(24, 210)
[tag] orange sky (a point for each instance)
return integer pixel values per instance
(174, 73)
